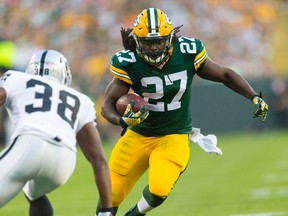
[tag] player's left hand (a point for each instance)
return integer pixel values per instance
(261, 107)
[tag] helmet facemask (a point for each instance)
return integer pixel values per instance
(154, 50)
(153, 34)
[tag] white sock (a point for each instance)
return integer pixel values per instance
(143, 206)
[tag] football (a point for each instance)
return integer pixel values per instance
(124, 100)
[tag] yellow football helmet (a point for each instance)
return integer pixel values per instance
(153, 34)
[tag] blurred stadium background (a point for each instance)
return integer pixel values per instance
(249, 36)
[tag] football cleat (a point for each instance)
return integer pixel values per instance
(134, 212)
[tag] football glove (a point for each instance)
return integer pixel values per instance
(130, 118)
(261, 107)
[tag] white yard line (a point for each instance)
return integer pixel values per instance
(263, 214)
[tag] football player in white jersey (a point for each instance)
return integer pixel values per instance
(49, 119)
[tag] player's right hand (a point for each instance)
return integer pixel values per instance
(130, 118)
(261, 107)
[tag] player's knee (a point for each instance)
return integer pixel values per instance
(120, 188)
(59, 180)
(161, 190)
(153, 199)
(118, 196)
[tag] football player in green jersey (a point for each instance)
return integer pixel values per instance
(159, 66)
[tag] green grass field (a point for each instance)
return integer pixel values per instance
(249, 179)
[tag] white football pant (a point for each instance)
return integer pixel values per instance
(35, 165)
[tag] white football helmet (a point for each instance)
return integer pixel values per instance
(51, 65)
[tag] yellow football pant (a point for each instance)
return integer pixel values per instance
(166, 156)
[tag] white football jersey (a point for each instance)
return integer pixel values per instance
(45, 108)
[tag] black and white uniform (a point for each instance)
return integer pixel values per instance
(46, 116)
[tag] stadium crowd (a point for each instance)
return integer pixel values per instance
(87, 32)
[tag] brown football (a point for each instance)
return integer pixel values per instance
(124, 100)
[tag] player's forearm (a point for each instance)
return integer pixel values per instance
(110, 114)
(3, 95)
(238, 84)
(103, 182)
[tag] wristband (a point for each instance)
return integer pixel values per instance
(260, 96)
(123, 124)
(106, 212)
(254, 97)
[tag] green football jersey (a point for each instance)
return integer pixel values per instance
(167, 91)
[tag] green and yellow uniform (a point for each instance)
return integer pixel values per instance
(160, 141)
